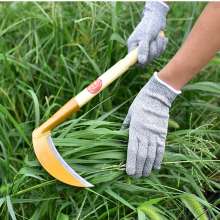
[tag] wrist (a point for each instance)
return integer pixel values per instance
(173, 89)
(164, 3)
(157, 6)
(174, 74)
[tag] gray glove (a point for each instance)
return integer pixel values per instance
(146, 35)
(147, 119)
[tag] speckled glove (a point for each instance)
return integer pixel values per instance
(147, 120)
(146, 35)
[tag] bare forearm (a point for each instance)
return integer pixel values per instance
(199, 48)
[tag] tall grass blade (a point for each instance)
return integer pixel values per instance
(192, 203)
(10, 208)
(36, 108)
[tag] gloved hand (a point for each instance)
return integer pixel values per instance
(146, 35)
(147, 119)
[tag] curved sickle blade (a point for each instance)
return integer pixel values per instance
(53, 163)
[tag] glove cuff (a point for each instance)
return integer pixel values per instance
(158, 6)
(167, 85)
(166, 92)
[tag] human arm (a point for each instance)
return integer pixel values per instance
(199, 48)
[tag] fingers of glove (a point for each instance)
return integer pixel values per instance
(159, 155)
(141, 157)
(161, 44)
(150, 157)
(153, 51)
(132, 153)
(126, 121)
(132, 43)
(143, 51)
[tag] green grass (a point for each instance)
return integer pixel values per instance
(48, 53)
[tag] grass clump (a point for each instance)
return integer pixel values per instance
(49, 52)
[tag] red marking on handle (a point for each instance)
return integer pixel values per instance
(95, 86)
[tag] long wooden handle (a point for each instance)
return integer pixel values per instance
(74, 104)
(106, 78)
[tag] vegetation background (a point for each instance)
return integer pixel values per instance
(48, 53)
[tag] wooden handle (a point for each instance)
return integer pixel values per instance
(89, 92)
(106, 78)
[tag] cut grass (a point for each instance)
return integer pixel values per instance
(49, 52)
